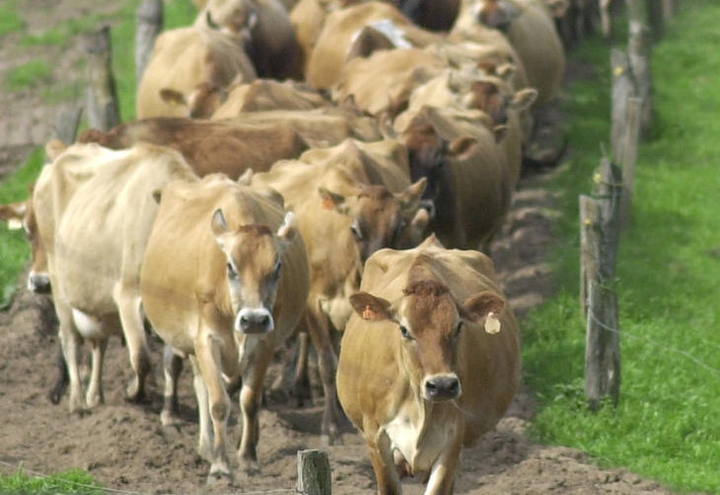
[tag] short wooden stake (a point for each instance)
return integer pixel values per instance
(67, 123)
(102, 103)
(313, 472)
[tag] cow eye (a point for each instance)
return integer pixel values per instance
(276, 271)
(231, 271)
(355, 229)
(405, 333)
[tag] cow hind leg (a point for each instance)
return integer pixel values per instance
(172, 367)
(61, 379)
(94, 395)
(128, 304)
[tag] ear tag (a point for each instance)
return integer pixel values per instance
(368, 313)
(328, 204)
(492, 324)
(14, 224)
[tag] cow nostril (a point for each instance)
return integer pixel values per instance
(244, 321)
(265, 320)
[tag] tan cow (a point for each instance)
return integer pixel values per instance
(188, 67)
(94, 212)
(266, 94)
(358, 31)
(428, 362)
(350, 200)
(531, 32)
(210, 146)
(264, 27)
(224, 281)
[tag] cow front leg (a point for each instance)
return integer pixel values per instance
(95, 394)
(204, 447)
(172, 367)
(388, 482)
(128, 304)
(442, 475)
(250, 397)
(319, 330)
(207, 352)
(70, 343)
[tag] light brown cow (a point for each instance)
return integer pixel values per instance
(531, 31)
(188, 67)
(266, 94)
(209, 146)
(358, 31)
(350, 200)
(470, 183)
(264, 27)
(428, 362)
(224, 281)
(94, 212)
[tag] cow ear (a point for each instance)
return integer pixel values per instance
(524, 98)
(485, 304)
(173, 97)
(506, 71)
(13, 214)
(461, 146)
(410, 197)
(54, 148)
(333, 201)
(371, 308)
(288, 229)
(218, 223)
(246, 178)
(209, 20)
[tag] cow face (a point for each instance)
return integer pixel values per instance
(496, 14)
(254, 258)
(22, 215)
(430, 326)
(379, 218)
(235, 18)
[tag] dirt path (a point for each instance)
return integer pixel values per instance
(124, 446)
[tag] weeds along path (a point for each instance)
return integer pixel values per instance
(124, 446)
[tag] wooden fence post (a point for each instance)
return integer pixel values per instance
(655, 18)
(599, 243)
(639, 47)
(668, 9)
(627, 156)
(66, 124)
(623, 87)
(313, 472)
(149, 26)
(102, 103)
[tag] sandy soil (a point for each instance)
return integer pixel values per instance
(123, 444)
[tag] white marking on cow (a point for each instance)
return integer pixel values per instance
(86, 325)
(394, 33)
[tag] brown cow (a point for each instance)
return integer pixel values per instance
(209, 146)
(264, 27)
(224, 281)
(358, 31)
(188, 67)
(350, 200)
(429, 361)
(531, 31)
(94, 212)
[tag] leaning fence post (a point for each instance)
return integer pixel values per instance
(149, 25)
(313, 472)
(66, 124)
(102, 103)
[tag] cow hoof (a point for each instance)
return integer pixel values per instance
(219, 478)
(249, 468)
(134, 392)
(94, 401)
(168, 418)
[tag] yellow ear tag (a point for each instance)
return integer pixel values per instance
(14, 224)
(368, 313)
(492, 324)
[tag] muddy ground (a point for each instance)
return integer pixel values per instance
(123, 444)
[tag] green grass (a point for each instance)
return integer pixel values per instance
(665, 426)
(69, 482)
(65, 31)
(28, 75)
(10, 20)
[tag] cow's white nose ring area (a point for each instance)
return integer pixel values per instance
(442, 387)
(254, 321)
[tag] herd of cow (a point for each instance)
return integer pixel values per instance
(240, 211)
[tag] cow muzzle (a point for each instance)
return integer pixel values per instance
(39, 283)
(438, 388)
(258, 320)
(429, 206)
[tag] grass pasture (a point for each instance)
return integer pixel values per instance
(669, 266)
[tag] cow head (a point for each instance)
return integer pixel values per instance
(379, 218)
(202, 101)
(235, 18)
(496, 14)
(497, 100)
(22, 215)
(428, 154)
(430, 325)
(254, 255)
